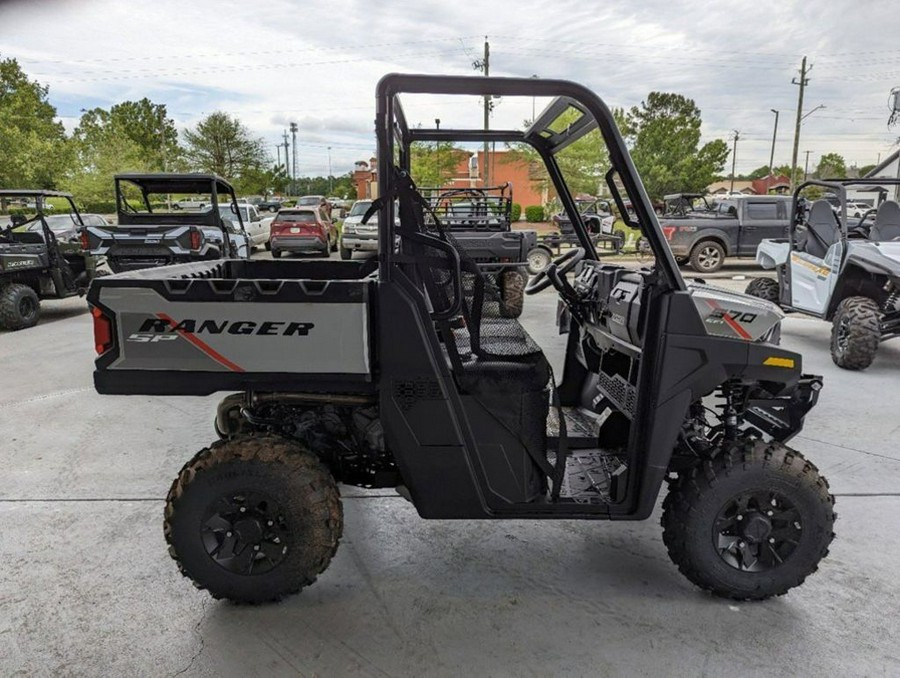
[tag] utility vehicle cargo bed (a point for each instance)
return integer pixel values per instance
(234, 325)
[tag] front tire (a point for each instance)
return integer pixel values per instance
(253, 519)
(346, 253)
(750, 524)
(20, 307)
(707, 256)
(276, 253)
(855, 333)
(764, 288)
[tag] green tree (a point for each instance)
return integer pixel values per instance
(223, 145)
(143, 123)
(33, 148)
(831, 166)
(865, 169)
(665, 136)
(432, 164)
(759, 173)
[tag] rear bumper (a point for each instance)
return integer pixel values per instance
(298, 243)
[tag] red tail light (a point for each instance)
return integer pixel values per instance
(196, 239)
(85, 245)
(102, 331)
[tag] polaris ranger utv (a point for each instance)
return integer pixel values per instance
(402, 372)
(34, 263)
(841, 270)
(154, 231)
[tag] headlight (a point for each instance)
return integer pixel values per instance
(349, 227)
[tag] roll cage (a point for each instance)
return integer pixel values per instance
(39, 196)
(395, 136)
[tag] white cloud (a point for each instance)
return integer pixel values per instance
(273, 61)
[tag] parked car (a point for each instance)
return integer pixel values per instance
(319, 201)
(302, 229)
(735, 229)
(357, 236)
(272, 204)
(197, 202)
(65, 226)
(257, 231)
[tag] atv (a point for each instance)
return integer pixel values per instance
(846, 271)
(402, 372)
(35, 264)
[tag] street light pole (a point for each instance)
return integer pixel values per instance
(330, 186)
(737, 135)
(772, 154)
(294, 142)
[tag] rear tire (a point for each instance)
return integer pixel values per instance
(707, 256)
(619, 244)
(276, 253)
(764, 288)
(20, 307)
(750, 524)
(268, 245)
(346, 254)
(253, 519)
(855, 333)
(512, 293)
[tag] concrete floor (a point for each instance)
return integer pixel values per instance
(87, 588)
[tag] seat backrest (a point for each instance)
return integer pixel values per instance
(887, 222)
(822, 229)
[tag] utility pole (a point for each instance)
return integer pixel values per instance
(287, 165)
(330, 187)
(806, 166)
(278, 152)
(772, 154)
(802, 83)
(294, 141)
(737, 135)
(484, 65)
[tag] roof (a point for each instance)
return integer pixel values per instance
(25, 192)
(173, 182)
(887, 162)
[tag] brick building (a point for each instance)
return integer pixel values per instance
(467, 173)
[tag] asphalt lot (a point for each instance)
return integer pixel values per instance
(87, 587)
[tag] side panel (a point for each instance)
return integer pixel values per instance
(813, 279)
(155, 333)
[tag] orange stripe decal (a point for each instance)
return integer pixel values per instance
(206, 348)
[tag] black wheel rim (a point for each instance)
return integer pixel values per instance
(757, 531)
(843, 334)
(27, 307)
(245, 533)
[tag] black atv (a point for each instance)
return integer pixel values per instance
(37, 264)
(402, 371)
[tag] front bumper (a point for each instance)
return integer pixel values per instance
(360, 242)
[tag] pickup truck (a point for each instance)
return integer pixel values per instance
(734, 228)
(480, 221)
(148, 235)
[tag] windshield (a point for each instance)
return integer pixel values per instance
(299, 217)
(226, 213)
(359, 209)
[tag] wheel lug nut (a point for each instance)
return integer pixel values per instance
(742, 544)
(740, 517)
(771, 540)
(277, 540)
(228, 534)
(243, 509)
(770, 513)
(269, 523)
(256, 548)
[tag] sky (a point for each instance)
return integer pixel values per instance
(271, 62)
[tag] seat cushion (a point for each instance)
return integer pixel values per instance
(489, 376)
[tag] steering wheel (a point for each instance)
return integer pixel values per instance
(560, 266)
